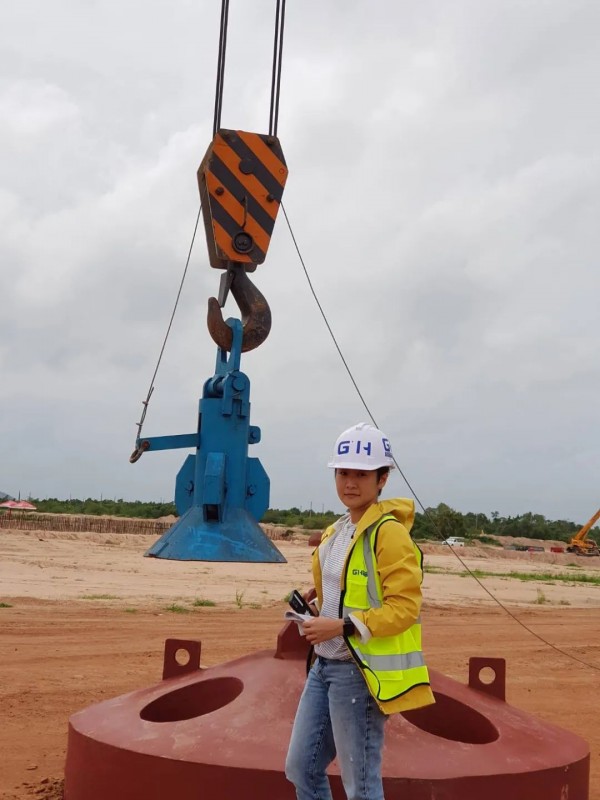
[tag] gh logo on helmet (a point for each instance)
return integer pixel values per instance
(362, 447)
(344, 448)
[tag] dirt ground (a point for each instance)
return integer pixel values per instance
(84, 617)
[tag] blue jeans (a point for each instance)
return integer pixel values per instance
(336, 715)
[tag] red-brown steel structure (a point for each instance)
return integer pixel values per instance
(222, 732)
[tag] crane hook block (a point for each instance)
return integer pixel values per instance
(241, 180)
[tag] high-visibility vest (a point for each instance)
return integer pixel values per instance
(391, 665)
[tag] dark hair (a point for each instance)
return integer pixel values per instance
(381, 471)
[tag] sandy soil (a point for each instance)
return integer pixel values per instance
(87, 617)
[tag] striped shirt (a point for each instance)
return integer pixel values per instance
(331, 573)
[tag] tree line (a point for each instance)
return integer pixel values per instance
(442, 521)
(439, 522)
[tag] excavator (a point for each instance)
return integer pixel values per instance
(580, 545)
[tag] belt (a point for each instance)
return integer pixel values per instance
(334, 660)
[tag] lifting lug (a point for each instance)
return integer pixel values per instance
(140, 449)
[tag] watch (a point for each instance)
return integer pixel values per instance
(349, 629)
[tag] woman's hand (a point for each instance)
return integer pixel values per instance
(320, 629)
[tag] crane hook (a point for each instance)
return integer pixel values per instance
(256, 314)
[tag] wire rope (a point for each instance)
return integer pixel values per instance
(277, 60)
(164, 344)
(401, 472)
(221, 65)
(274, 67)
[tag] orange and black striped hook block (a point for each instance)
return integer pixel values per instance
(241, 181)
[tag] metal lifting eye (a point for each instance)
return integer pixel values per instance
(256, 314)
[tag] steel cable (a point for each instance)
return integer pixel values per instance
(414, 494)
(276, 71)
(221, 65)
(162, 349)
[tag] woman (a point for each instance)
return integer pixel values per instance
(367, 636)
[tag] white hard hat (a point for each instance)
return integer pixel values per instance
(362, 446)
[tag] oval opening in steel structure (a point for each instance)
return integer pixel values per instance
(192, 701)
(451, 719)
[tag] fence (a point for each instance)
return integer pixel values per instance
(77, 523)
(80, 523)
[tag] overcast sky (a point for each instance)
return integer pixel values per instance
(444, 191)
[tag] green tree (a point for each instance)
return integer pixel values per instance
(439, 523)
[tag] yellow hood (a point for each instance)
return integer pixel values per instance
(401, 507)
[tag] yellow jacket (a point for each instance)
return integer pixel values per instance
(400, 577)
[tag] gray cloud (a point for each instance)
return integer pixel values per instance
(444, 175)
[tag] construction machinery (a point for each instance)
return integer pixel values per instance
(582, 546)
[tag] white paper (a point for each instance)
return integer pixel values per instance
(294, 616)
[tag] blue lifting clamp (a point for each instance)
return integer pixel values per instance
(220, 492)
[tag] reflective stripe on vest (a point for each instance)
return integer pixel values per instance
(372, 593)
(398, 662)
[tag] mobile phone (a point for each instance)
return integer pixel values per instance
(299, 604)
